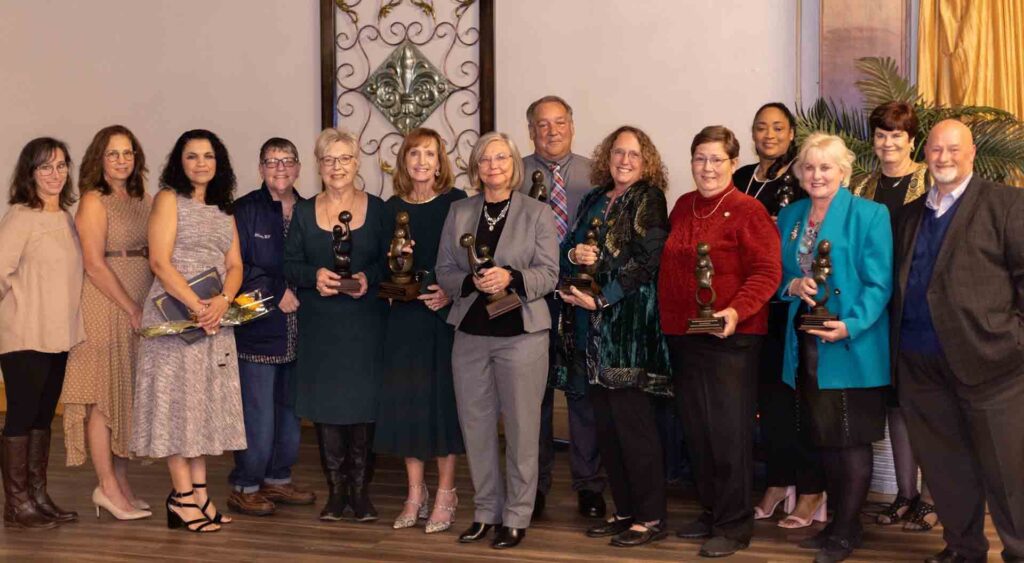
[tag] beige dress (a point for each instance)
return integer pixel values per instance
(101, 370)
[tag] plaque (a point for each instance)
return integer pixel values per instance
(583, 279)
(342, 247)
(705, 295)
(498, 303)
(403, 285)
(538, 190)
(821, 269)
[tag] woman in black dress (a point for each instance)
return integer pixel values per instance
(340, 332)
(417, 417)
(794, 476)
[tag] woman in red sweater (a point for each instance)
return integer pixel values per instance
(715, 374)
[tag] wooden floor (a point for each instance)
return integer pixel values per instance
(295, 534)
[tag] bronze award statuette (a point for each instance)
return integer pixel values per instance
(785, 194)
(343, 253)
(538, 190)
(403, 285)
(821, 269)
(706, 320)
(583, 279)
(498, 303)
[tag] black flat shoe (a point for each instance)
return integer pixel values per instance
(538, 505)
(633, 538)
(836, 548)
(614, 527)
(591, 504)
(721, 546)
(950, 556)
(694, 530)
(817, 541)
(476, 532)
(507, 538)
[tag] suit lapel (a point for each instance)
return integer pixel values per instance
(964, 213)
(512, 227)
(910, 224)
(834, 225)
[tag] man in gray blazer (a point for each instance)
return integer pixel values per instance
(552, 130)
(958, 340)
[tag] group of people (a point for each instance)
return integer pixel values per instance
(594, 289)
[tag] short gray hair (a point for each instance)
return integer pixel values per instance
(478, 151)
(833, 148)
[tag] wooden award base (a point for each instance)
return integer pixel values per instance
(705, 325)
(348, 285)
(399, 291)
(501, 303)
(586, 285)
(816, 320)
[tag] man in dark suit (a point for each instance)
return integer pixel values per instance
(567, 178)
(958, 340)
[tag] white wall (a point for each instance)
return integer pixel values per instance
(668, 66)
(247, 70)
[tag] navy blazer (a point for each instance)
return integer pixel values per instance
(260, 222)
(861, 284)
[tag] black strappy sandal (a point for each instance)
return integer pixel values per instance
(891, 513)
(175, 521)
(218, 518)
(917, 518)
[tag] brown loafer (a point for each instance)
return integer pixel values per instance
(287, 493)
(253, 504)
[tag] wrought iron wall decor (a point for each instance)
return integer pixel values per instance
(390, 66)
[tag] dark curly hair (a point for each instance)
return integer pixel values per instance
(654, 171)
(221, 189)
(23, 184)
(90, 174)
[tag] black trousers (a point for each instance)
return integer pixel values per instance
(627, 436)
(969, 441)
(716, 390)
(789, 459)
(584, 456)
(32, 382)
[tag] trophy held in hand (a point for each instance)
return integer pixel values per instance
(583, 279)
(821, 269)
(706, 320)
(403, 285)
(538, 190)
(497, 303)
(342, 247)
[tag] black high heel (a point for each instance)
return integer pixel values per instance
(218, 518)
(175, 521)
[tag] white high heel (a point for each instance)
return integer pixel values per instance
(789, 499)
(100, 500)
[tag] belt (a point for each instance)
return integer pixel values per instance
(136, 253)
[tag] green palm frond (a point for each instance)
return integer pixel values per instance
(998, 134)
(883, 83)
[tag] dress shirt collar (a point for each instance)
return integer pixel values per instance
(941, 204)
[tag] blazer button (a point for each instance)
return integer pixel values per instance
(837, 292)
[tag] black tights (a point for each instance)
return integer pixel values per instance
(32, 382)
(849, 474)
(902, 456)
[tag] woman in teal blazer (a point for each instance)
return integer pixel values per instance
(839, 372)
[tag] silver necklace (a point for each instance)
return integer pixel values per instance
(492, 221)
(713, 211)
(751, 181)
(898, 182)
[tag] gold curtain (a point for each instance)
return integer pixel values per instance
(971, 52)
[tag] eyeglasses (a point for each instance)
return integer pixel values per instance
(623, 154)
(287, 162)
(127, 155)
(333, 161)
(47, 169)
(499, 159)
(700, 161)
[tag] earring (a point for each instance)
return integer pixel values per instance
(437, 173)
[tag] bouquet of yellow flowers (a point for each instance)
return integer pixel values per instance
(246, 307)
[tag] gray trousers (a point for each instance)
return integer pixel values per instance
(506, 376)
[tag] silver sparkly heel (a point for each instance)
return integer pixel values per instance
(438, 526)
(421, 511)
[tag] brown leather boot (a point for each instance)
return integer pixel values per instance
(38, 458)
(253, 504)
(19, 509)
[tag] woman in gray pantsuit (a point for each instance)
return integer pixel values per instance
(500, 364)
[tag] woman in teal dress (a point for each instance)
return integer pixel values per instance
(417, 418)
(340, 332)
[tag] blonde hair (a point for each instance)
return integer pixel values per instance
(478, 151)
(833, 148)
(330, 136)
(445, 180)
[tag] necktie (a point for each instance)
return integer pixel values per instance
(559, 202)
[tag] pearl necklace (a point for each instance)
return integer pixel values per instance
(713, 211)
(492, 221)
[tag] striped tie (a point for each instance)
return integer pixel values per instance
(559, 203)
